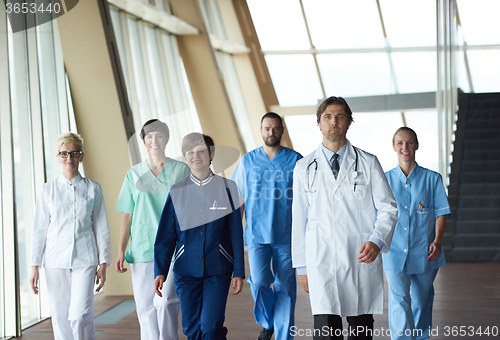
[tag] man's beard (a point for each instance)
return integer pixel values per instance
(275, 143)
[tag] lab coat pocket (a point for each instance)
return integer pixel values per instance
(361, 197)
(85, 201)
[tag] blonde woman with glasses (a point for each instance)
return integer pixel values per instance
(70, 234)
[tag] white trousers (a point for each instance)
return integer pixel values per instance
(71, 297)
(158, 316)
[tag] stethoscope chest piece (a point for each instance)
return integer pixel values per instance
(354, 175)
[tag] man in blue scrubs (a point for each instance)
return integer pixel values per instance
(264, 177)
(416, 253)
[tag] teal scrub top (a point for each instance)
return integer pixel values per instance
(144, 195)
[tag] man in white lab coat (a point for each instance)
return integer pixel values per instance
(344, 215)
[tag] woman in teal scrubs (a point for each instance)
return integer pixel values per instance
(141, 201)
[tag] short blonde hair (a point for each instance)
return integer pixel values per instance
(68, 138)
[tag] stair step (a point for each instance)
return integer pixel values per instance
(483, 123)
(476, 201)
(476, 241)
(482, 133)
(479, 254)
(481, 144)
(482, 214)
(479, 189)
(493, 154)
(480, 177)
(468, 166)
(482, 114)
(476, 227)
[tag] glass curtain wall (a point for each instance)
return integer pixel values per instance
(34, 112)
(225, 61)
(377, 47)
(155, 77)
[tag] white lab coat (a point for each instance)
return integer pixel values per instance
(329, 226)
(70, 226)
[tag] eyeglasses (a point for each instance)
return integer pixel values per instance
(72, 154)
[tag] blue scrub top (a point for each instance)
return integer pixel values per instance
(266, 185)
(415, 230)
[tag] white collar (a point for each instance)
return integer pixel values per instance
(204, 182)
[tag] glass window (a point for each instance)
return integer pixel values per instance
(415, 71)
(304, 133)
(480, 21)
(138, 62)
(279, 24)
(373, 131)
(233, 86)
(410, 23)
(23, 168)
(49, 96)
(295, 79)
(485, 70)
(344, 24)
(355, 74)
(39, 110)
(211, 15)
(120, 44)
(156, 85)
(425, 124)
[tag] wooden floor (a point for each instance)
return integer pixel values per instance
(467, 294)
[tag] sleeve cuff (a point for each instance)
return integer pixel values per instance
(378, 242)
(301, 270)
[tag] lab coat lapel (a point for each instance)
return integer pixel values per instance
(326, 170)
(347, 163)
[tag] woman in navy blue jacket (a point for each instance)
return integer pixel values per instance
(201, 222)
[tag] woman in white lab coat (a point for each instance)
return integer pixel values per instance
(332, 219)
(70, 233)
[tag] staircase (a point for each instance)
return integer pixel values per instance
(473, 232)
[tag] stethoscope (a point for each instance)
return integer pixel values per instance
(354, 174)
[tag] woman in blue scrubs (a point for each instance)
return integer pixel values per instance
(416, 252)
(201, 222)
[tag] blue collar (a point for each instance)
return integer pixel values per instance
(329, 153)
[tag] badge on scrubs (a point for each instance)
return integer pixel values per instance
(216, 207)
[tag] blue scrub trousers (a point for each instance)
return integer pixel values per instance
(410, 304)
(203, 305)
(274, 307)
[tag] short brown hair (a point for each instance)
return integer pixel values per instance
(196, 138)
(334, 101)
(155, 125)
